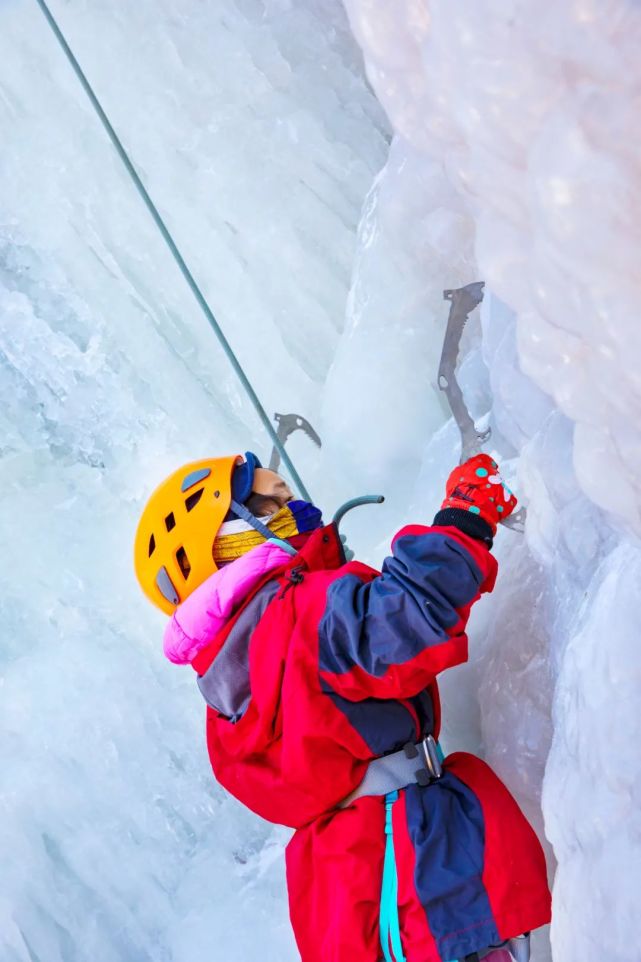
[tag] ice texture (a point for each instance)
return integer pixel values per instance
(323, 231)
(527, 115)
(256, 133)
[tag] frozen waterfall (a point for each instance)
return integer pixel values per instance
(323, 216)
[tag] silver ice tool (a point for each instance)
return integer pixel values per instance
(287, 424)
(463, 300)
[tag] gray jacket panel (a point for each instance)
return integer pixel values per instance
(225, 685)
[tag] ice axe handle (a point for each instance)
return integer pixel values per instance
(342, 511)
(356, 503)
(463, 300)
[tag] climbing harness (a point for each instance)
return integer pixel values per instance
(418, 763)
(463, 300)
(173, 248)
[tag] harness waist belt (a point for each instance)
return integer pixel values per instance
(414, 764)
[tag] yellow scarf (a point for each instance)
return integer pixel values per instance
(231, 546)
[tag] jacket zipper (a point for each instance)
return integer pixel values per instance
(294, 577)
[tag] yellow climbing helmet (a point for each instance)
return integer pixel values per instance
(176, 533)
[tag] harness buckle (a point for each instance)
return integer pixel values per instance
(429, 750)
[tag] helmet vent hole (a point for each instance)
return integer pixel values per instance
(193, 499)
(183, 562)
(152, 545)
(170, 521)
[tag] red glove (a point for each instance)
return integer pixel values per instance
(477, 486)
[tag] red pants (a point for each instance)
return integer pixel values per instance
(470, 870)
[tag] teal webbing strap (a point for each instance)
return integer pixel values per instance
(285, 545)
(390, 930)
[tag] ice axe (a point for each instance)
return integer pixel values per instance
(463, 300)
(287, 425)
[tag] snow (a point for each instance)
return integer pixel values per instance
(323, 233)
(258, 138)
(525, 112)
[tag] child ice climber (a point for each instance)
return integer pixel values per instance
(323, 711)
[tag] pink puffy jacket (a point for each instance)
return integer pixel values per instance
(201, 616)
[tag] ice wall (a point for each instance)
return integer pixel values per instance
(257, 136)
(515, 160)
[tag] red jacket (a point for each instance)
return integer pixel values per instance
(327, 665)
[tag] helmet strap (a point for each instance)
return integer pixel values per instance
(251, 519)
(257, 525)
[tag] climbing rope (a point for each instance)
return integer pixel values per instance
(166, 235)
